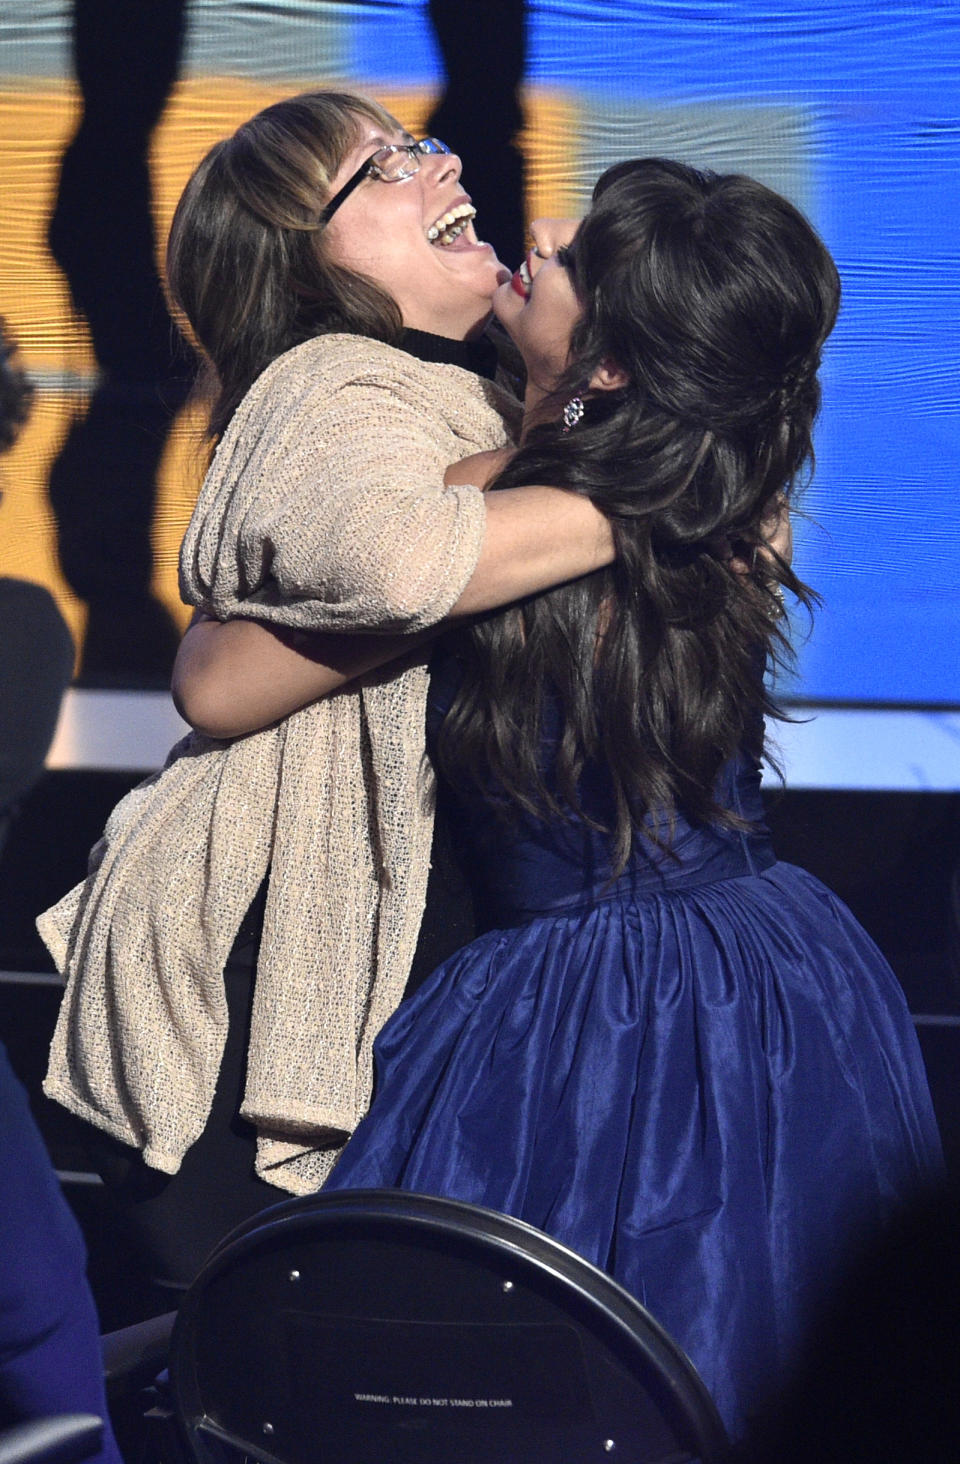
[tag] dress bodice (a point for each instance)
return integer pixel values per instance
(523, 867)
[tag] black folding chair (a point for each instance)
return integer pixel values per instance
(381, 1327)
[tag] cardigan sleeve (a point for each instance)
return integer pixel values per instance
(326, 507)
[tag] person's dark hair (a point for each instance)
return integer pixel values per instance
(246, 262)
(16, 391)
(715, 296)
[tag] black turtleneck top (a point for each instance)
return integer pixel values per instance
(478, 356)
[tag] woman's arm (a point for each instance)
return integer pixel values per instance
(239, 676)
(325, 507)
(534, 538)
(776, 540)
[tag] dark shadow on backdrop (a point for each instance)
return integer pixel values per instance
(103, 483)
(36, 651)
(483, 43)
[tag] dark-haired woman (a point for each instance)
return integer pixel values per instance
(679, 1056)
(328, 266)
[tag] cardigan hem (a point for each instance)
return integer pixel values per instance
(316, 1126)
(67, 1098)
(53, 937)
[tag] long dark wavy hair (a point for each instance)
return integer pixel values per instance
(715, 296)
(246, 262)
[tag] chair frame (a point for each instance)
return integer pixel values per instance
(523, 1254)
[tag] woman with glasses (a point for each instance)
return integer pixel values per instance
(679, 1056)
(328, 266)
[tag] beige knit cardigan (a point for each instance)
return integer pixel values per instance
(324, 509)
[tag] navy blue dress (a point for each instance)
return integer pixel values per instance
(703, 1077)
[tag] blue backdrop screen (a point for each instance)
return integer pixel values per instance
(853, 110)
(850, 107)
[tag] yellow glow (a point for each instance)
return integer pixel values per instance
(37, 119)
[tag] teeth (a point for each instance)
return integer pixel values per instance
(525, 276)
(451, 224)
(450, 234)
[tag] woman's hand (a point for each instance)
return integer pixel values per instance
(776, 541)
(777, 531)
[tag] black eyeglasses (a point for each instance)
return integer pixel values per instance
(389, 164)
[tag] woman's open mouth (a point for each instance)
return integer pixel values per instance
(453, 225)
(522, 280)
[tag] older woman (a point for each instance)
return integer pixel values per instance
(328, 265)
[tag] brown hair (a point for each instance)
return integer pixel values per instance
(246, 262)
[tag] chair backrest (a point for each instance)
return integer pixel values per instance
(381, 1327)
(63, 1438)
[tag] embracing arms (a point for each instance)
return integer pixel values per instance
(238, 676)
(241, 675)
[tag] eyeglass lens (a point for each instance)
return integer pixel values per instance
(399, 162)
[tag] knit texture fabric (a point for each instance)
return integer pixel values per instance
(324, 509)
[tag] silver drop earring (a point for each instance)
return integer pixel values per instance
(572, 413)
